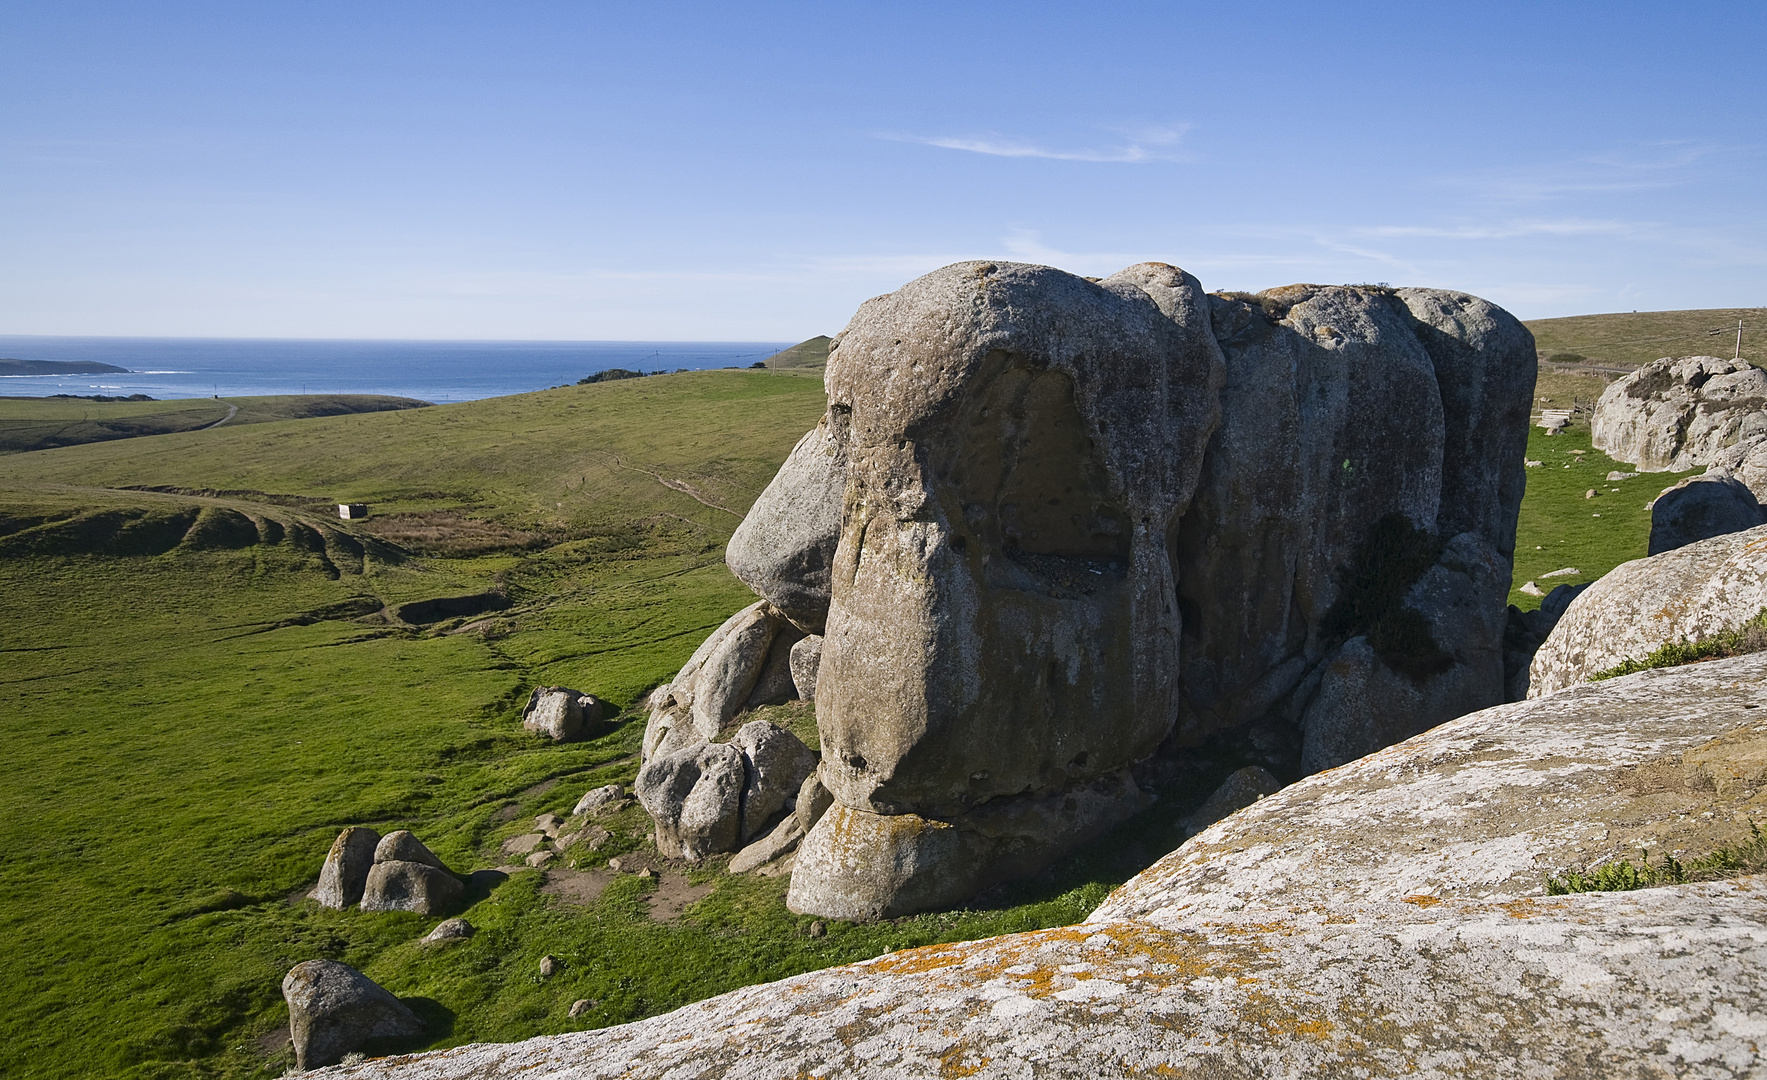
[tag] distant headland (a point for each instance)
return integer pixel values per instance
(55, 367)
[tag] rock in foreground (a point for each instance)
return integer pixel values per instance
(1689, 593)
(1663, 982)
(333, 1010)
(1671, 761)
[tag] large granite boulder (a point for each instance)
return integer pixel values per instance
(1701, 507)
(1327, 478)
(334, 1010)
(694, 795)
(785, 545)
(1681, 413)
(345, 872)
(1019, 443)
(716, 682)
(1686, 594)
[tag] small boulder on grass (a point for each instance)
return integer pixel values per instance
(560, 713)
(345, 872)
(450, 930)
(602, 800)
(411, 886)
(333, 1010)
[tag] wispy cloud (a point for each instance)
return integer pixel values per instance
(1512, 230)
(1138, 145)
(1647, 167)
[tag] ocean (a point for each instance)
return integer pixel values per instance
(437, 371)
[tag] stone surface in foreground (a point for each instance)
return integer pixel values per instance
(1661, 982)
(1671, 761)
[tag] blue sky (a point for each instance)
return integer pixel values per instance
(752, 172)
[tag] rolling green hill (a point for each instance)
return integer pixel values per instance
(43, 423)
(1628, 339)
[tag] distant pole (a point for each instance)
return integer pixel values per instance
(1738, 355)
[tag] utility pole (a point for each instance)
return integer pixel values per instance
(1725, 330)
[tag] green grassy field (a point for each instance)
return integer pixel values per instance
(1628, 339)
(44, 423)
(199, 691)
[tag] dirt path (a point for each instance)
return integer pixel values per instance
(232, 411)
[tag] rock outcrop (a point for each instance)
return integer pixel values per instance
(713, 797)
(334, 1010)
(1525, 631)
(345, 872)
(1659, 983)
(1029, 466)
(1686, 594)
(1671, 761)
(1681, 413)
(1701, 507)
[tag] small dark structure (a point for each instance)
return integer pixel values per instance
(352, 511)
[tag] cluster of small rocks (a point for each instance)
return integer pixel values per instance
(391, 873)
(743, 796)
(553, 836)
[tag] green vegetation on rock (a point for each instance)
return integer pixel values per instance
(1624, 875)
(1750, 637)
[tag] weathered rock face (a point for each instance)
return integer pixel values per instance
(1701, 507)
(1347, 415)
(775, 765)
(601, 800)
(333, 1010)
(1655, 983)
(785, 546)
(694, 794)
(1746, 460)
(1681, 413)
(715, 684)
(1021, 450)
(1681, 595)
(345, 872)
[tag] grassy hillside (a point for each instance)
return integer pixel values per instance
(205, 681)
(1628, 339)
(812, 353)
(44, 423)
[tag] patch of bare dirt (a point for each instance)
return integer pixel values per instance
(673, 894)
(444, 532)
(579, 887)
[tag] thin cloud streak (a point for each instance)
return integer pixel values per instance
(1144, 145)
